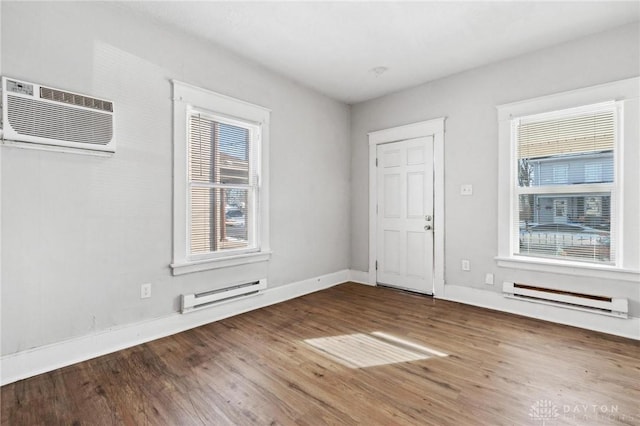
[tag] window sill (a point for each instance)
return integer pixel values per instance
(220, 262)
(569, 268)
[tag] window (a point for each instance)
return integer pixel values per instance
(560, 213)
(220, 190)
(569, 182)
(222, 184)
(560, 173)
(593, 172)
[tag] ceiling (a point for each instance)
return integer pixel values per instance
(335, 47)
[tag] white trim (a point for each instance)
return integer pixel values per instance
(427, 128)
(625, 327)
(185, 97)
(616, 90)
(204, 265)
(563, 267)
(408, 131)
(202, 97)
(42, 359)
(617, 195)
(360, 277)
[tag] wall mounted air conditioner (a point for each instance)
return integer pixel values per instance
(36, 116)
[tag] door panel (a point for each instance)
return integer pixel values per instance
(416, 252)
(392, 195)
(391, 158)
(415, 195)
(392, 251)
(405, 207)
(415, 155)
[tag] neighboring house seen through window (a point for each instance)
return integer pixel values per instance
(565, 189)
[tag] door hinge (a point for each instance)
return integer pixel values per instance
(376, 162)
(376, 265)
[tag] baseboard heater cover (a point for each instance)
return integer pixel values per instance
(605, 305)
(197, 301)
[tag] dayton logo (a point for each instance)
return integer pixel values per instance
(544, 411)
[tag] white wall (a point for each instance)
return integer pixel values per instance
(469, 100)
(80, 234)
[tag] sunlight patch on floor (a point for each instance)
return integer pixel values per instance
(361, 350)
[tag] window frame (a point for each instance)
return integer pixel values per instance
(558, 189)
(187, 99)
(622, 94)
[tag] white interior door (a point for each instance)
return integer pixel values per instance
(404, 225)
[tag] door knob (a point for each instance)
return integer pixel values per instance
(427, 227)
(428, 218)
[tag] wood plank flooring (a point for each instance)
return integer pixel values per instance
(255, 368)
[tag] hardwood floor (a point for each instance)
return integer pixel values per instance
(255, 368)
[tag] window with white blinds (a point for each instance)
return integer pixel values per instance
(564, 193)
(220, 180)
(222, 183)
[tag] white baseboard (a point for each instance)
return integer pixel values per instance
(359, 277)
(625, 327)
(28, 363)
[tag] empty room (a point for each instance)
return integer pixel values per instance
(340, 213)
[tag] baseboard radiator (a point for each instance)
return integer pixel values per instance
(605, 305)
(197, 301)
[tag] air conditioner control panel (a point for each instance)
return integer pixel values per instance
(20, 87)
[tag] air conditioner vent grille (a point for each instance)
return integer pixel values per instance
(36, 118)
(71, 98)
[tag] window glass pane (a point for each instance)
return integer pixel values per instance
(232, 154)
(218, 152)
(220, 219)
(566, 151)
(566, 226)
(202, 134)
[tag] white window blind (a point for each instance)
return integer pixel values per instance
(222, 184)
(564, 203)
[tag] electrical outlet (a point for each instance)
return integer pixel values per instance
(465, 265)
(488, 279)
(466, 189)
(145, 291)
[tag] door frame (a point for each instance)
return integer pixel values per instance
(434, 128)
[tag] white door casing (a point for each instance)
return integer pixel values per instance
(435, 130)
(405, 214)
